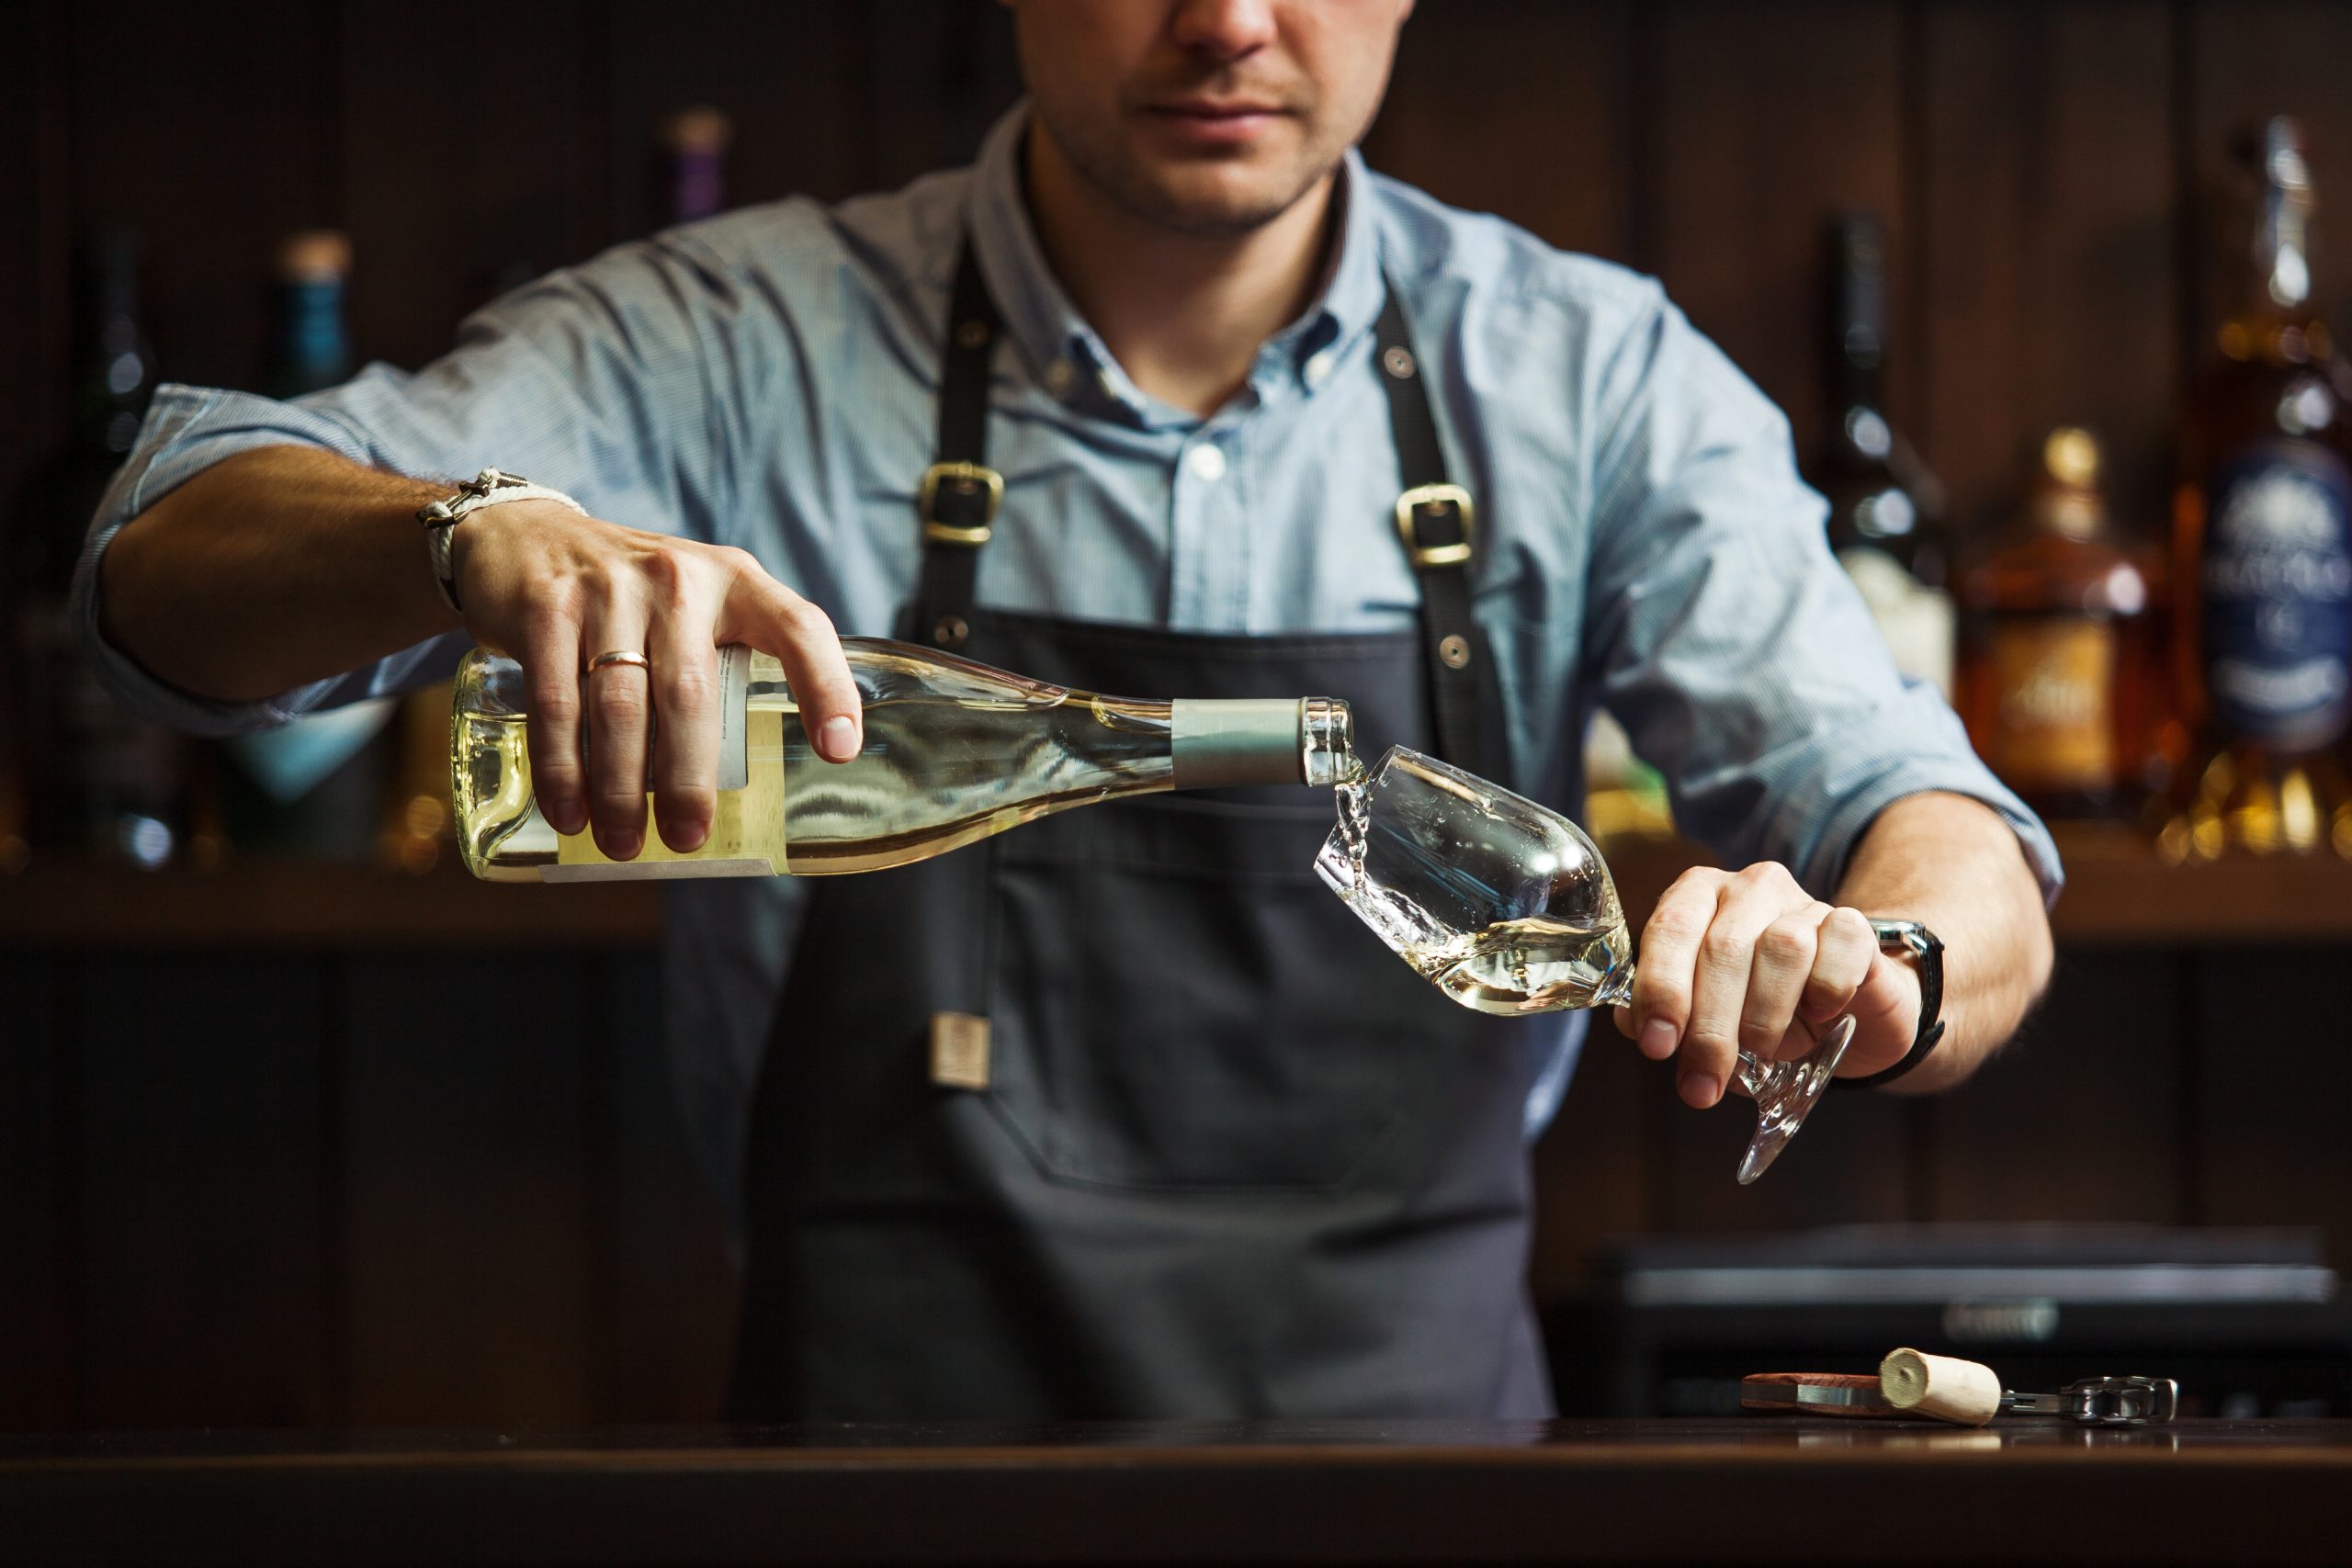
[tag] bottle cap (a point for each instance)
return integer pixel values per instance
(2065, 494)
(314, 256)
(698, 128)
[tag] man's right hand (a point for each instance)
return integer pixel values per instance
(552, 590)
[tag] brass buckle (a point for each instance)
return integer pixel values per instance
(958, 474)
(1436, 495)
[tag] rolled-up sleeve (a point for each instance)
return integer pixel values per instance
(595, 380)
(1728, 641)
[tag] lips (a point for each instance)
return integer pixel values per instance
(1217, 120)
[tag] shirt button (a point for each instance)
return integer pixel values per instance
(1206, 462)
(1318, 367)
(1060, 375)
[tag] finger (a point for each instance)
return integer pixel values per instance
(1748, 904)
(1669, 950)
(762, 611)
(685, 729)
(1885, 1009)
(1843, 962)
(551, 679)
(1785, 958)
(619, 702)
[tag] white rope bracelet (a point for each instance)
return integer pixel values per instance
(489, 488)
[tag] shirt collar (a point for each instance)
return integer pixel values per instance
(1047, 330)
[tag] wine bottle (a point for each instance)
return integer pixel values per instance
(1885, 508)
(312, 788)
(96, 780)
(691, 174)
(954, 751)
(2056, 647)
(2262, 540)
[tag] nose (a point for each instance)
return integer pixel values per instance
(1224, 29)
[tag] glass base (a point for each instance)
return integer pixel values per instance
(1785, 1092)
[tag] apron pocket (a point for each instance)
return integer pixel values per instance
(1180, 1004)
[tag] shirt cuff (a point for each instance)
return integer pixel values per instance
(188, 430)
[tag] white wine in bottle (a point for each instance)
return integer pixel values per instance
(954, 751)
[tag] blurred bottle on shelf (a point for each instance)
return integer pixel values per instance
(2057, 652)
(313, 788)
(2262, 546)
(1625, 796)
(418, 827)
(690, 176)
(89, 778)
(1885, 508)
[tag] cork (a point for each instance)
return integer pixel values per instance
(1967, 1394)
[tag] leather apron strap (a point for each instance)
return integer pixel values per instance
(1435, 519)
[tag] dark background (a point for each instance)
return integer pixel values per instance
(350, 1179)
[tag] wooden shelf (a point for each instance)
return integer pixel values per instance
(2117, 893)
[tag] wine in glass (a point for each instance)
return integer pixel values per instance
(1507, 908)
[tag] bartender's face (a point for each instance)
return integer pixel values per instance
(1209, 117)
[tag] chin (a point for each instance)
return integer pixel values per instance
(1225, 201)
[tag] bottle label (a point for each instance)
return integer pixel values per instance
(1917, 621)
(2053, 726)
(747, 824)
(2278, 589)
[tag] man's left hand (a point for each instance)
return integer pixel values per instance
(1737, 961)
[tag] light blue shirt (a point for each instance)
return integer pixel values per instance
(768, 379)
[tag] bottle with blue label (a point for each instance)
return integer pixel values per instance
(2263, 549)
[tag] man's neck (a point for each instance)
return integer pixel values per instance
(1183, 314)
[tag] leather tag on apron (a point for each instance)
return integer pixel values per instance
(960, 1051)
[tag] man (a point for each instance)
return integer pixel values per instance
(1229, 1159)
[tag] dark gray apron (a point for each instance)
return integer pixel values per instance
(1231, 1158)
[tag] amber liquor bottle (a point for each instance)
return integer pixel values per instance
(2057, 651)
(1885, 508)
(2262, 545)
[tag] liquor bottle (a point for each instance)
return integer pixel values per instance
(2262, 543)
(1885, 508)
(94, 779)
(691, 175)
(2056, 645)
(954, 751)
(313, 787)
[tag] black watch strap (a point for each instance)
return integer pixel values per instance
(1911, 937)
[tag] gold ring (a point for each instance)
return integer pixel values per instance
(619, 656)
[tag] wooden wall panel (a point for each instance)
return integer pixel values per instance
(1767, 121)
(471, 151)
(33, 1322)
(1516, 109)
(2047, 247)
(201, 1163)
(469, 1252)
(206, 134)
(667, 1272)
(2080, 1118)
(2265, 1127)
(32, 278)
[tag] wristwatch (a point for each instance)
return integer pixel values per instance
(487, 488)
(1911, 937)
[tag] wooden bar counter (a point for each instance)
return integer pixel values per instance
(1759, 1490)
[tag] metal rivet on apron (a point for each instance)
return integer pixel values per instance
(1454, 650)
(1397, 362)
(971, 334)
(951, 631)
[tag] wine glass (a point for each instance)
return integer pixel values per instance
(1507, 908)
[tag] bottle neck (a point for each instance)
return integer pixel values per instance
(314, 347)
(1283, 741)
(696, 184)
